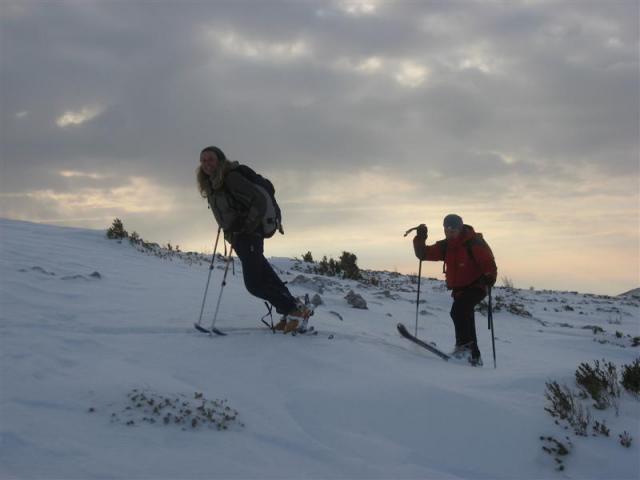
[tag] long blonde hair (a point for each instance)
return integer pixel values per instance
(207, 184)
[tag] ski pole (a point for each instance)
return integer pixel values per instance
(490, 319)
(419, 277)
(418, 296)
(213, 258)
(224, 282)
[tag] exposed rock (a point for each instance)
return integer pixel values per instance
(309, 284)
(355, 300)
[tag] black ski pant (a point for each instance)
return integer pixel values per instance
(462, 314)
(259, 277)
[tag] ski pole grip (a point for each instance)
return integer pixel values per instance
(410, 230)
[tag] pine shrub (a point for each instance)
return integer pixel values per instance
(565, 406)
(600, 382)
(349, 266)
(307, 257)
(625, 439)
(600, 429)
(557, 449)
(134, 238)
(631, 377)
(116, 230)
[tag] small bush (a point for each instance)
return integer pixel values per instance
(116, 231)
(307, 257)
(557, 450)
(346, 267)
(349, 266)
(631, 377)
(566, 407)
(625, 439)
(134, 238)
(328, 267)
(600, 429)
(186, 412)
(600, 382)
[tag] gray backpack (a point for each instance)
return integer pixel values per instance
(272, 220)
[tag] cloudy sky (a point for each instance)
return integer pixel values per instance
(369, 117)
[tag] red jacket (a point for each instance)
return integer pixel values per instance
(462, 270)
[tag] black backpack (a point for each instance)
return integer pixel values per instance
(272, 220)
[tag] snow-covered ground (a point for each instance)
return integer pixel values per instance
(86, 323)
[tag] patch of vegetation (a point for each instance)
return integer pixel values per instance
(500, 304)
(565, 406)
(116, 231)
(166, 252)
(557, 450)
(625, 439)
(599, 382)
(346, 267)
(631, 377)
(188, 413)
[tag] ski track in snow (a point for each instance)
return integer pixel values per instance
(354, 401)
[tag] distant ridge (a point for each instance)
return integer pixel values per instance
(631, 293)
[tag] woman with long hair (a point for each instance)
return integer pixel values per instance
(239, 207)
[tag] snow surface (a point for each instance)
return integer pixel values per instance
(355, 401)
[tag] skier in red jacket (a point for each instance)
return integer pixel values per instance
(470, 270)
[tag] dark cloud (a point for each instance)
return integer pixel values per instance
(517, 91)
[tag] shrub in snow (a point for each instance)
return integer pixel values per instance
(557, 450)
(346, 267)
(600, 382)
(307, 257)
(349, 266)
(600, 428)
(631, 377)
(178, 410)
(116, 230)
(134, 238)
(625, 439)
(565, 406)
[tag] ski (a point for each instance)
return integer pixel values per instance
(405, 333)
(302, 330)
(211, 331)
(308, 331)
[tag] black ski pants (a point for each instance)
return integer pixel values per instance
(462, 314)
(259, 277)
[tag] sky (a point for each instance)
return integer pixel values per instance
(369, 117)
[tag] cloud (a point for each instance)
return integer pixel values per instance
(75, 118)
(358, 7)
(134, 195)
(235, 44)
(77, 174)
(454, 104)
(411, 74)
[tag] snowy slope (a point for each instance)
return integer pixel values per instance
(85, 320)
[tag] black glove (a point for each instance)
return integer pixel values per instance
(421, 232)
